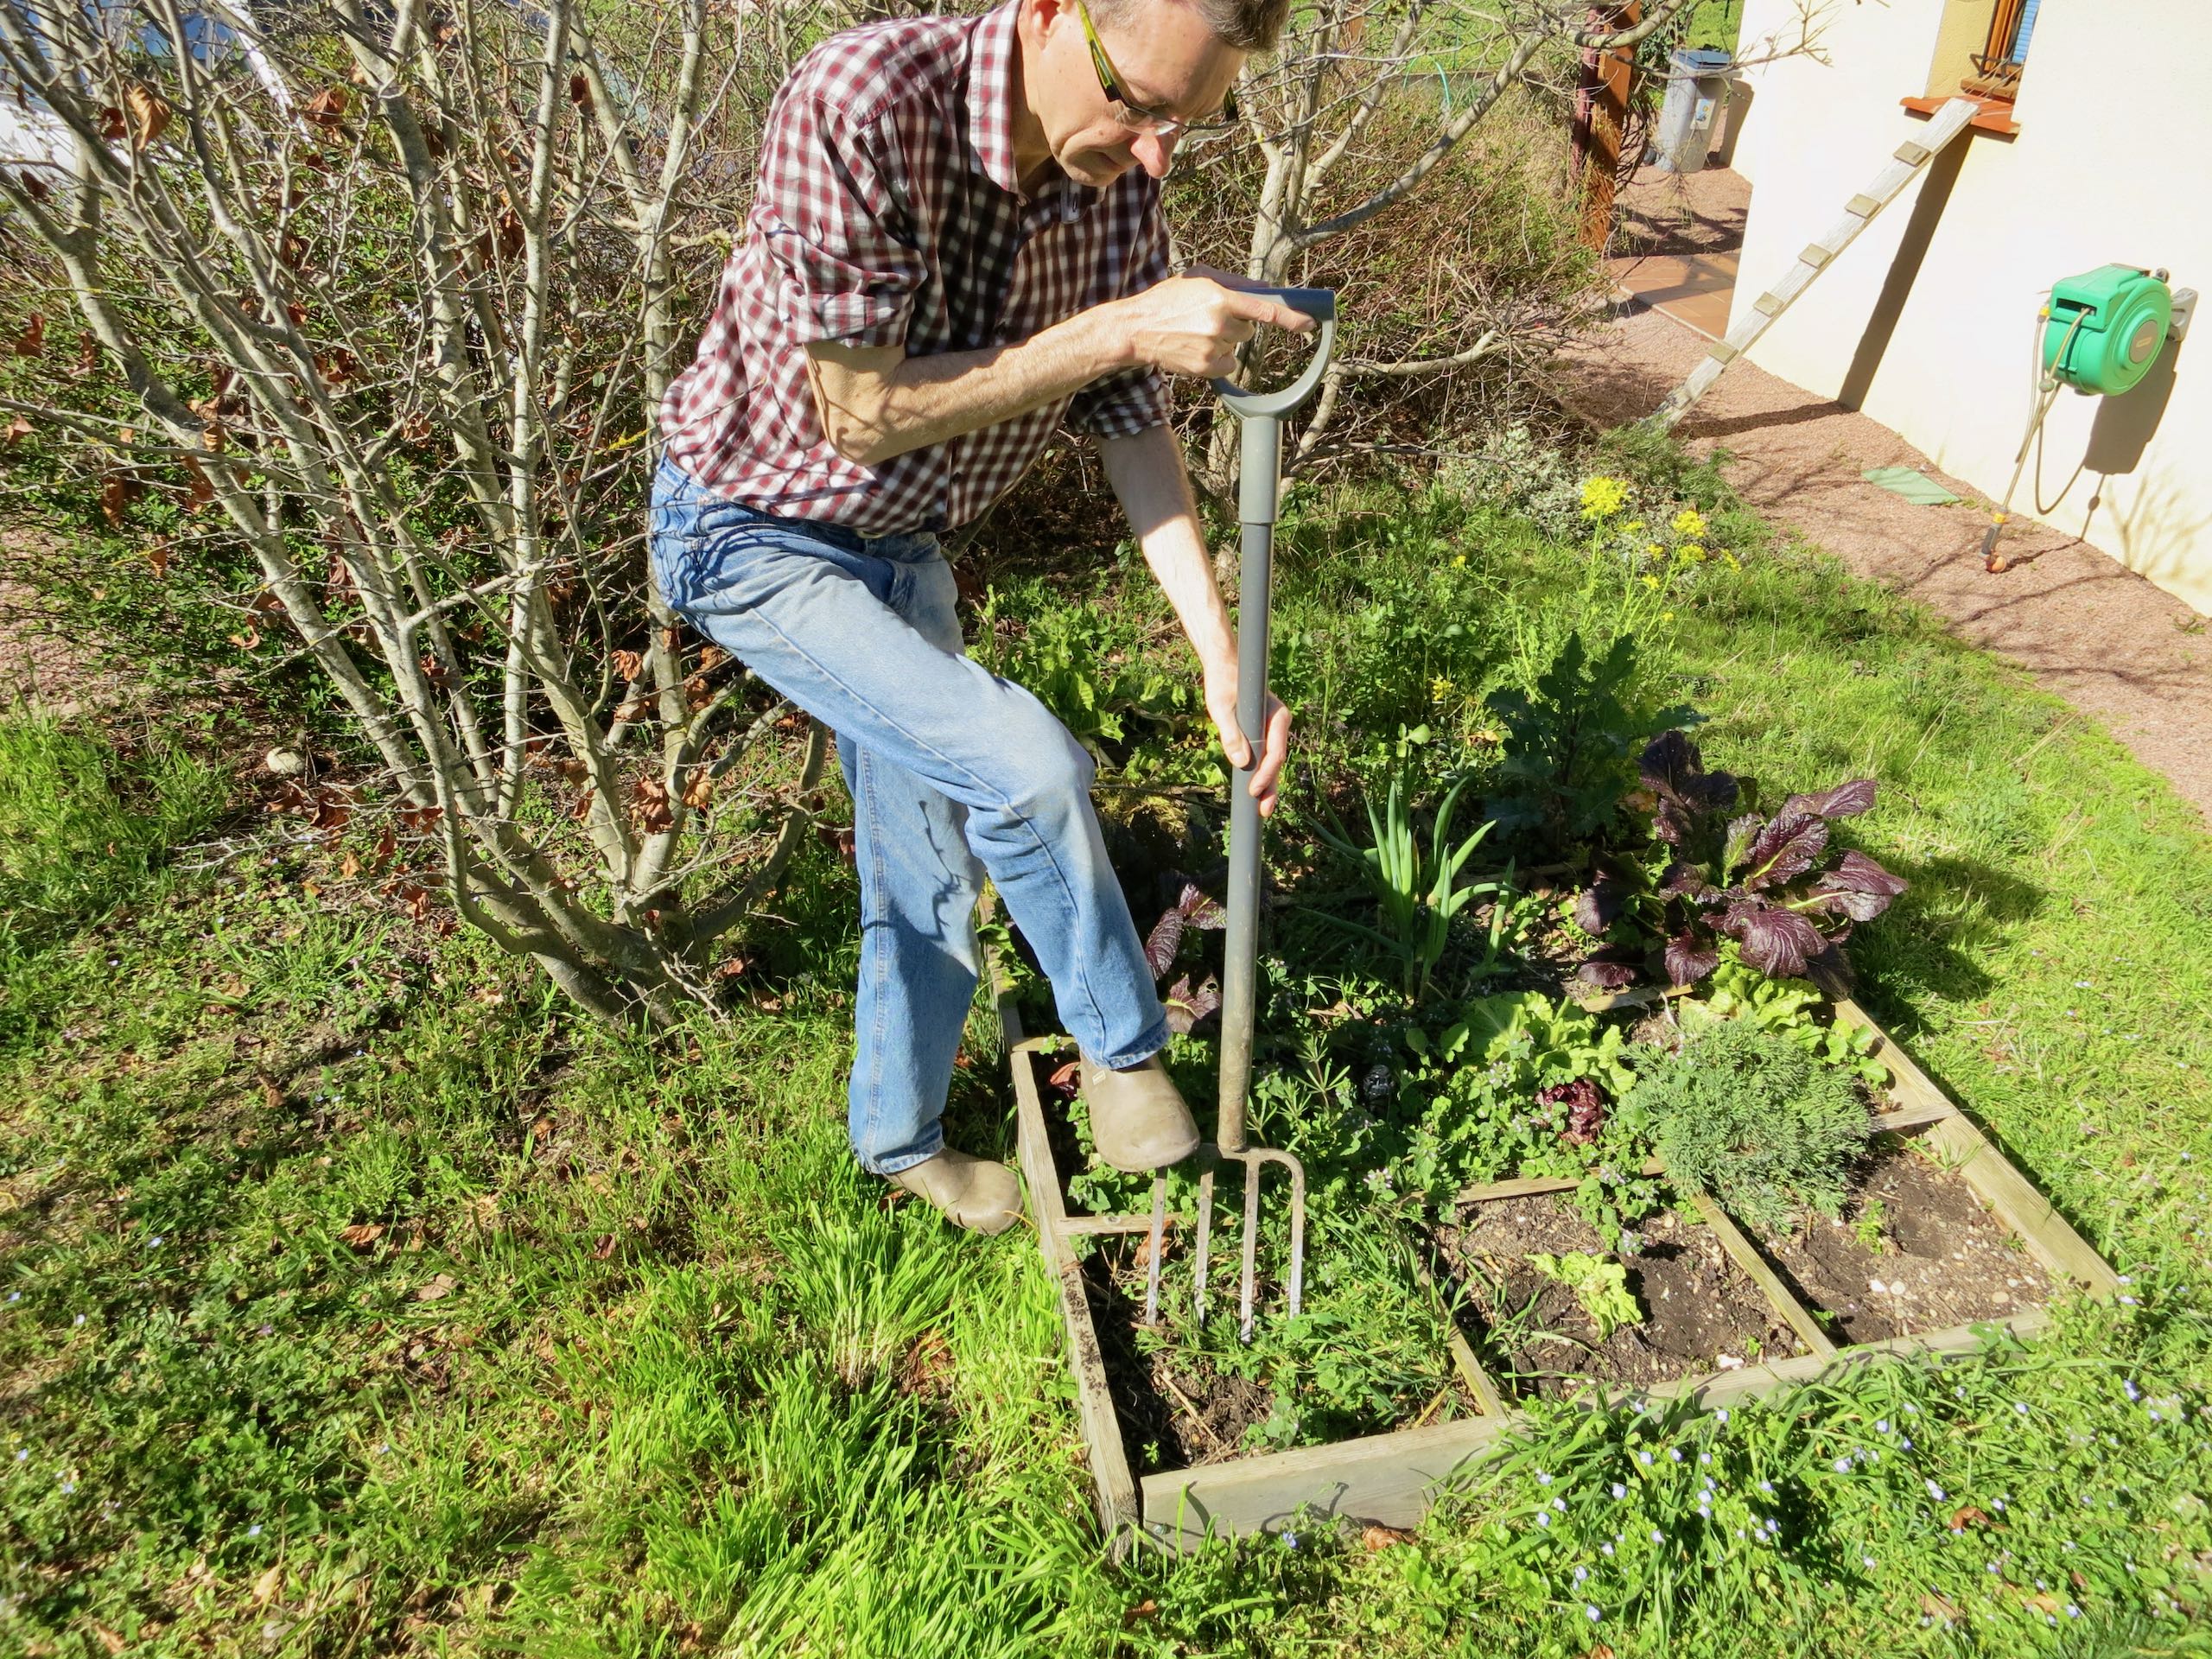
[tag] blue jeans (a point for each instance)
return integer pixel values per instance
(953, 772)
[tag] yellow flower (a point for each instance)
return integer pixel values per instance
(1654, 549)
(1633, 527)
(1459, 561)
(1731, 557)
(1666, 616)
(1690, 551)
(1603, 497)
(1690, 524)
(1651, 582)
(1439, 686)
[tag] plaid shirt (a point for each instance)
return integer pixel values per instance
(886, 214)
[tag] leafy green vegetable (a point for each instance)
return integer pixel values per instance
(1762, 882)
(1598, 1283)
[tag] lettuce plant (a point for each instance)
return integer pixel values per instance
(1772, 884)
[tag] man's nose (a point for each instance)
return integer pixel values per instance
(1154, 153)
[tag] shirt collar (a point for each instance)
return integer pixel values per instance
(992, 55)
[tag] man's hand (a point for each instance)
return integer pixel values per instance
(1193, 325)
(1221, 705)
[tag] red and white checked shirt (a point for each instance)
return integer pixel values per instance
(886, 214)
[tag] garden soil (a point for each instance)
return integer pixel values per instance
(2118, 648)
(1941, 1260)
(1701, 1313)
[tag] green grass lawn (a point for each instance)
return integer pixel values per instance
(357, 1298)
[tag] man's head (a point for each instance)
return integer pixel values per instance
(1114, 84)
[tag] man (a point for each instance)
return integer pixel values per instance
(955, 243)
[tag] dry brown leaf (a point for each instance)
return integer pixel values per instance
(1968, 1516)
(362, 1234)
(1936, 1607)
(1373, 1538)
(580, 90)
(326, 109)
(648, 806)
(629, 665)
(1146, 1608)
(349, 866)
(149, 115)
(603, 1248)
(201, 487)
(157, 555)
(16, 430)
(32, 342)
(436, 1289)
(34, 187)
(88, 352)
(109, 1639)
(115, 496)
(269, 1585)
(699, 792)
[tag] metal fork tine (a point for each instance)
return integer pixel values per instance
(1249, 1287)
(1205, 1244)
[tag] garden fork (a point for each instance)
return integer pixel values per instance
(1258, 487)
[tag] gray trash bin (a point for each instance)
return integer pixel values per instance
(1696, 100)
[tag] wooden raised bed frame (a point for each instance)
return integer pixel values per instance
(1392, 1478)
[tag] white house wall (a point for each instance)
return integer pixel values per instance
(2108, 166)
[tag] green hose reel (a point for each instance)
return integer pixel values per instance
(2103, 330)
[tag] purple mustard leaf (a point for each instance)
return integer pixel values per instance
(1859, 888)
(1161, 944)
(1611, 968)
(1776, 942)
(1199, 911)
(1689, 959)
(1844, 801)
(1785, 849)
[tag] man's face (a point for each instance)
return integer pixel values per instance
(1165, 58)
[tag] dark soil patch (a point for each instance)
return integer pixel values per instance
(1701, 1312)
(1941, 1259)
(1176, 1411)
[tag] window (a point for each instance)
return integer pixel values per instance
(1997, 66)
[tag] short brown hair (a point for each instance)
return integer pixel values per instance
(1248, 25)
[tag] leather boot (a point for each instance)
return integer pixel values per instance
(1138, 1116)
(973, 1192)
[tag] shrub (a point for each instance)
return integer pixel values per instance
(1749, 1115)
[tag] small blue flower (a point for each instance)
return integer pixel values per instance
(2072, 1611)
(1904, 1443)
(1882, 1427)
(254, 1531)
(1658, 1536)
(1604, 1550)
(1644, 1458)
(1722, 1414)
(1705, 1459)
(1594, 1614)
(155, 1243)
(1559, 1503)
(1935, 1491)
(2133, 1393)
(1542, 1479)
(1869, 1559)
(1543, 1517)
(1290, 1541)
(1843, 1466)
(1675, 1454)
(1619, 1491)
(1580, 1573)
(2021, 1406)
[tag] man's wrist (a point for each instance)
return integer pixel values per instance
(1104, 338)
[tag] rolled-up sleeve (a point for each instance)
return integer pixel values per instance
(1121, 405)
(845, 263)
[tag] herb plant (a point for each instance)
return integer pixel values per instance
(1767, 883)
(1751, 1117)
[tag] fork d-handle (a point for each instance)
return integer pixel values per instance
(1257, 490)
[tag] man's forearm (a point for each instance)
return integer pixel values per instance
(1146, 471)
(879, 403)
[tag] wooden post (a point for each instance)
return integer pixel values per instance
(1601, 102)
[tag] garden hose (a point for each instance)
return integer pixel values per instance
(2046, 394)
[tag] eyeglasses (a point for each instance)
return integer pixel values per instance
(1134, 116)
